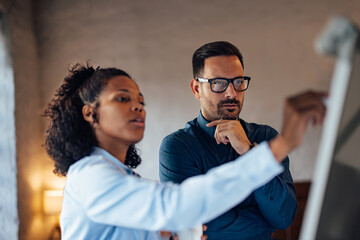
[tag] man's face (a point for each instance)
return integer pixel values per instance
(225, 105)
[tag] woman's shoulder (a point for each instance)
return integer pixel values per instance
(94, 165)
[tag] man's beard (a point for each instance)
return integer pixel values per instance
(222, 115)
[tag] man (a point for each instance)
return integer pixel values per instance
(218, 136)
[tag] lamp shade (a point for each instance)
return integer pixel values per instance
(52, 201)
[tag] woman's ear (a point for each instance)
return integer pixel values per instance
(88, 112)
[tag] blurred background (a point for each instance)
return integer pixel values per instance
(154, 42)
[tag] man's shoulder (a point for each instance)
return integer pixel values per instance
(257, 130)
(184, 133)
(258, 126)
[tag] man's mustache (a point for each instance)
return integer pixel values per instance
(229, 101)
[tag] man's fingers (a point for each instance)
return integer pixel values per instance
(220, 138)
(220, 135)
(214, 123)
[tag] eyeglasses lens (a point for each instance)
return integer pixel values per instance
(220, 85)
(240, 84)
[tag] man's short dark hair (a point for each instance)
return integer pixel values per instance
(213, 49)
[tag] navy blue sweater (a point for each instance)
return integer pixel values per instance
(193, 150)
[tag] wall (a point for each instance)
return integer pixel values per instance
(29, 152)
(154, 41)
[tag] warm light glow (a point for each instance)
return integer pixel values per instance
(35, 180)
(52, 201)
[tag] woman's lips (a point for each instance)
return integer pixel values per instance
(138, 122)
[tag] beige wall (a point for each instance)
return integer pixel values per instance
(29, 152)
(28, 125)
(154, 42)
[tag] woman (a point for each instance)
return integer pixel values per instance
(96, 117)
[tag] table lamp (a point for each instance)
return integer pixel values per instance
(52, 202)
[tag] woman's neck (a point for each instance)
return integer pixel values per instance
(117, 150)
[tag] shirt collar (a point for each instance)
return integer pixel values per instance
(210, 131)
(114, 160)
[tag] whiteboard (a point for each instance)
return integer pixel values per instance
(333, 207)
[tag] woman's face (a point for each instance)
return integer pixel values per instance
(121, 114)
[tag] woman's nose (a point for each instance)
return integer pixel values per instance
(137, 108)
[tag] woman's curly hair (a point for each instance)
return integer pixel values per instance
(69, 137)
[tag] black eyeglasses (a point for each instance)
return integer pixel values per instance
(219, 85)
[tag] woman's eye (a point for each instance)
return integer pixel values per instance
(122, 99)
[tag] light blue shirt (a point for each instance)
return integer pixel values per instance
(103, 199)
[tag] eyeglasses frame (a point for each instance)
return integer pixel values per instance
(199, 79)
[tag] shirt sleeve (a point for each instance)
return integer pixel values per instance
(108, 196)
(176, 162)
(277, 199)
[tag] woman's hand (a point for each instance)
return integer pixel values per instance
(173, 236)
(204, 236)
(165, 234)
(299, 110)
